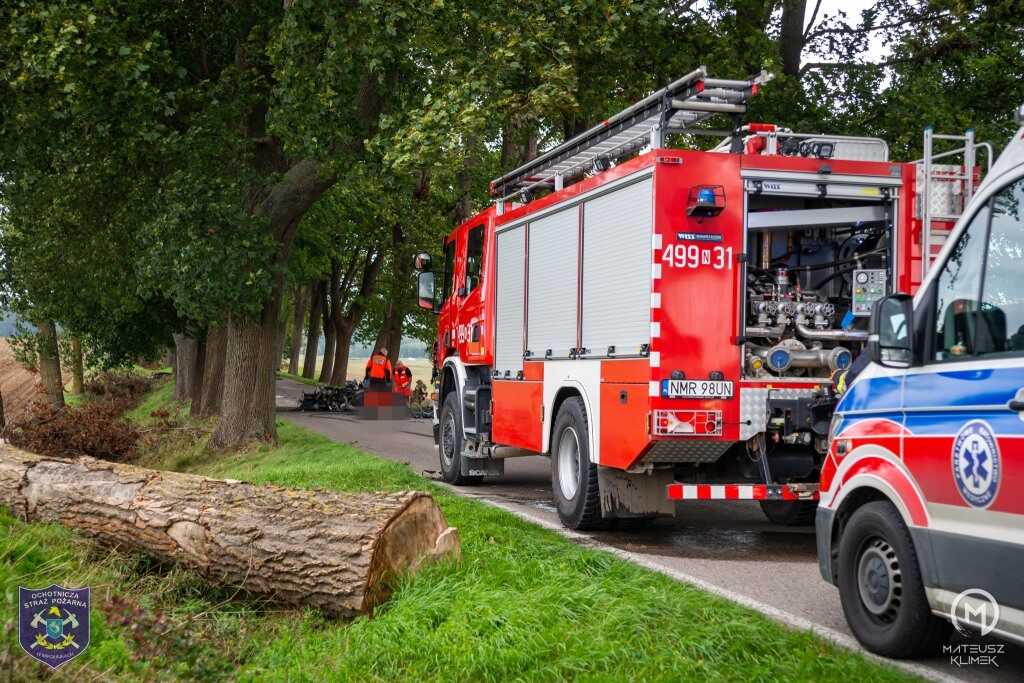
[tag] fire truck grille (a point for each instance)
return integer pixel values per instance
(685, 451)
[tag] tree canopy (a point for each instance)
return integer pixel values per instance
(169, 167)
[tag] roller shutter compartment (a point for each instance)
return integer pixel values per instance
(509, 300)
(553, 274)
(617, 230)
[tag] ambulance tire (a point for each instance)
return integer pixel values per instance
(450, 444)
(573, 477)
(790, 512)
(881, 589)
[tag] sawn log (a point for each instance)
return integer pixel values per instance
(335, 551)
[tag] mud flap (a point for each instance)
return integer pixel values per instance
(626, 495)
(481, 467)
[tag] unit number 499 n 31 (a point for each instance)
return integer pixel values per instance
(693, 256)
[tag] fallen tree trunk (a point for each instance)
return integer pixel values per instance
(335, 551)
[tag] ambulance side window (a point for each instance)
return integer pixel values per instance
(474, 257)
(1000, 325)
(958, 291)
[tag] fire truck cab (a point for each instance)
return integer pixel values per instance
(665, 323)
(921, 520)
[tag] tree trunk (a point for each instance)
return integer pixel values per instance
(791, 36)
(313, 335)
(3, 421)
(339, 552)
(199, 379)
(298, 321)
(77, 368)
(282, 331)
(342, 346)
(247, 410)
(330, 336)
(49, 363)
(186, 352)
(213, 374)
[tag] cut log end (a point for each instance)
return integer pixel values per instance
(417, 534)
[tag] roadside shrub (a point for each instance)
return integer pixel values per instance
(95, 428)
(117, 386)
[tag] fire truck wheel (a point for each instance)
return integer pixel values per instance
(573, 476)
(790, 513)
(881, 589)
(449, 445)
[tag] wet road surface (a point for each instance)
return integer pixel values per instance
(726, 545)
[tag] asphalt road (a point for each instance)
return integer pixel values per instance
(726, 546)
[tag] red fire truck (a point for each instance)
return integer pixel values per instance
(664, 323)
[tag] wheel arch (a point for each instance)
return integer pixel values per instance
(563, 394)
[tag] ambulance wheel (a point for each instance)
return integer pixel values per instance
(881, 589)
(573, 476)
(449, 444)
(790, 512)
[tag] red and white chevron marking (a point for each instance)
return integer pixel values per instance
(742, 492)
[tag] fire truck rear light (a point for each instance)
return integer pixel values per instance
(688, 422)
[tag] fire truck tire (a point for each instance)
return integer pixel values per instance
(880, 586)
(573, 477)
(449, 445)
(790, 513)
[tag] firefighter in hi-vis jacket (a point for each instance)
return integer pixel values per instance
(403, 379)
(378, 368)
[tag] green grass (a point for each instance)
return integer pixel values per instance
(523, 604)
(297, 378)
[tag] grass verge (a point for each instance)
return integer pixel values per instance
(524, 603)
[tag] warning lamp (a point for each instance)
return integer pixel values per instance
(705, 200)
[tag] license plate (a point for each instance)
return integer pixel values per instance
(696, 388)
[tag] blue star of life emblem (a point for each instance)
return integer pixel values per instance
(976, 464)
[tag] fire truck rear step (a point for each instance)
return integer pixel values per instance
(791, 492)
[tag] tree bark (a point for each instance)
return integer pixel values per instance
(330, 336)
(213, 374)
(77, 368)
(313, 334)
(247, 409)
(298, 322)
(199, 379)
(336, 551)
(186, 353)
(49, 363)
(791, 36)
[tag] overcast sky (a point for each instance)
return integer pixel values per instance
(852, 8)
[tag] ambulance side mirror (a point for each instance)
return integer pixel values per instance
(425, 291)
(891, 343)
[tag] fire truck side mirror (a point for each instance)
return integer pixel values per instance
(891, 343)
(425, 291)
(422, 261)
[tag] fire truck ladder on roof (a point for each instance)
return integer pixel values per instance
(944, 190)
(676, 107)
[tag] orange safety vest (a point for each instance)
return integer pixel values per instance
(378, 366)
(403, 377)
